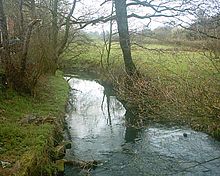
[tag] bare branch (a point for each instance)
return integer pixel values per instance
(68, 25)
(105, 2)
(162, 7)
(199, 31)
(150, 16)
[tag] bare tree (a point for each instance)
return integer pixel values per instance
(157, 9)
(153, 8)
(56, 28)
(205, 28)
(43, 25)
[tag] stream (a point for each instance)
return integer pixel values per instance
(97, 129)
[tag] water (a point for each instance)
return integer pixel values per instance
(98, 131)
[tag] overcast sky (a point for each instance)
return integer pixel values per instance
(93, 6)
(85, 7)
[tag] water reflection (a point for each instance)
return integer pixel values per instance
(107, 94)
(94, 115)
(101, 129)
(131, 131)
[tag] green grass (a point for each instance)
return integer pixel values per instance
(182, 84)
(186, 64)
(19, 140)
(157, 55)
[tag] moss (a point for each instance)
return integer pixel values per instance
(60, 165)
(29, 147)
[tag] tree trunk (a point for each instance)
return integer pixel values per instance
(55, 27)
(122, 22)
(3, 29)
(27, 38)
(21, 22)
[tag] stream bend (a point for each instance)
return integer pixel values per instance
(96, 124)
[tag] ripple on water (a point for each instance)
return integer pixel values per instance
(100, 134)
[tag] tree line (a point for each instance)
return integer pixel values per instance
(35, 33)
(33, 36)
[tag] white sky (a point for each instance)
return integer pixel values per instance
(85, 7)
(93, 6)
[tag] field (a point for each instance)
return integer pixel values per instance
(179, 84)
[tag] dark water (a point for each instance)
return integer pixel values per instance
(98, 132)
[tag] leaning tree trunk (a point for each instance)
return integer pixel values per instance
(67, 30)
(25, 47)
(122, 22)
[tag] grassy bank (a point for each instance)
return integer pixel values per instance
(30, 127)
(177, 85)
